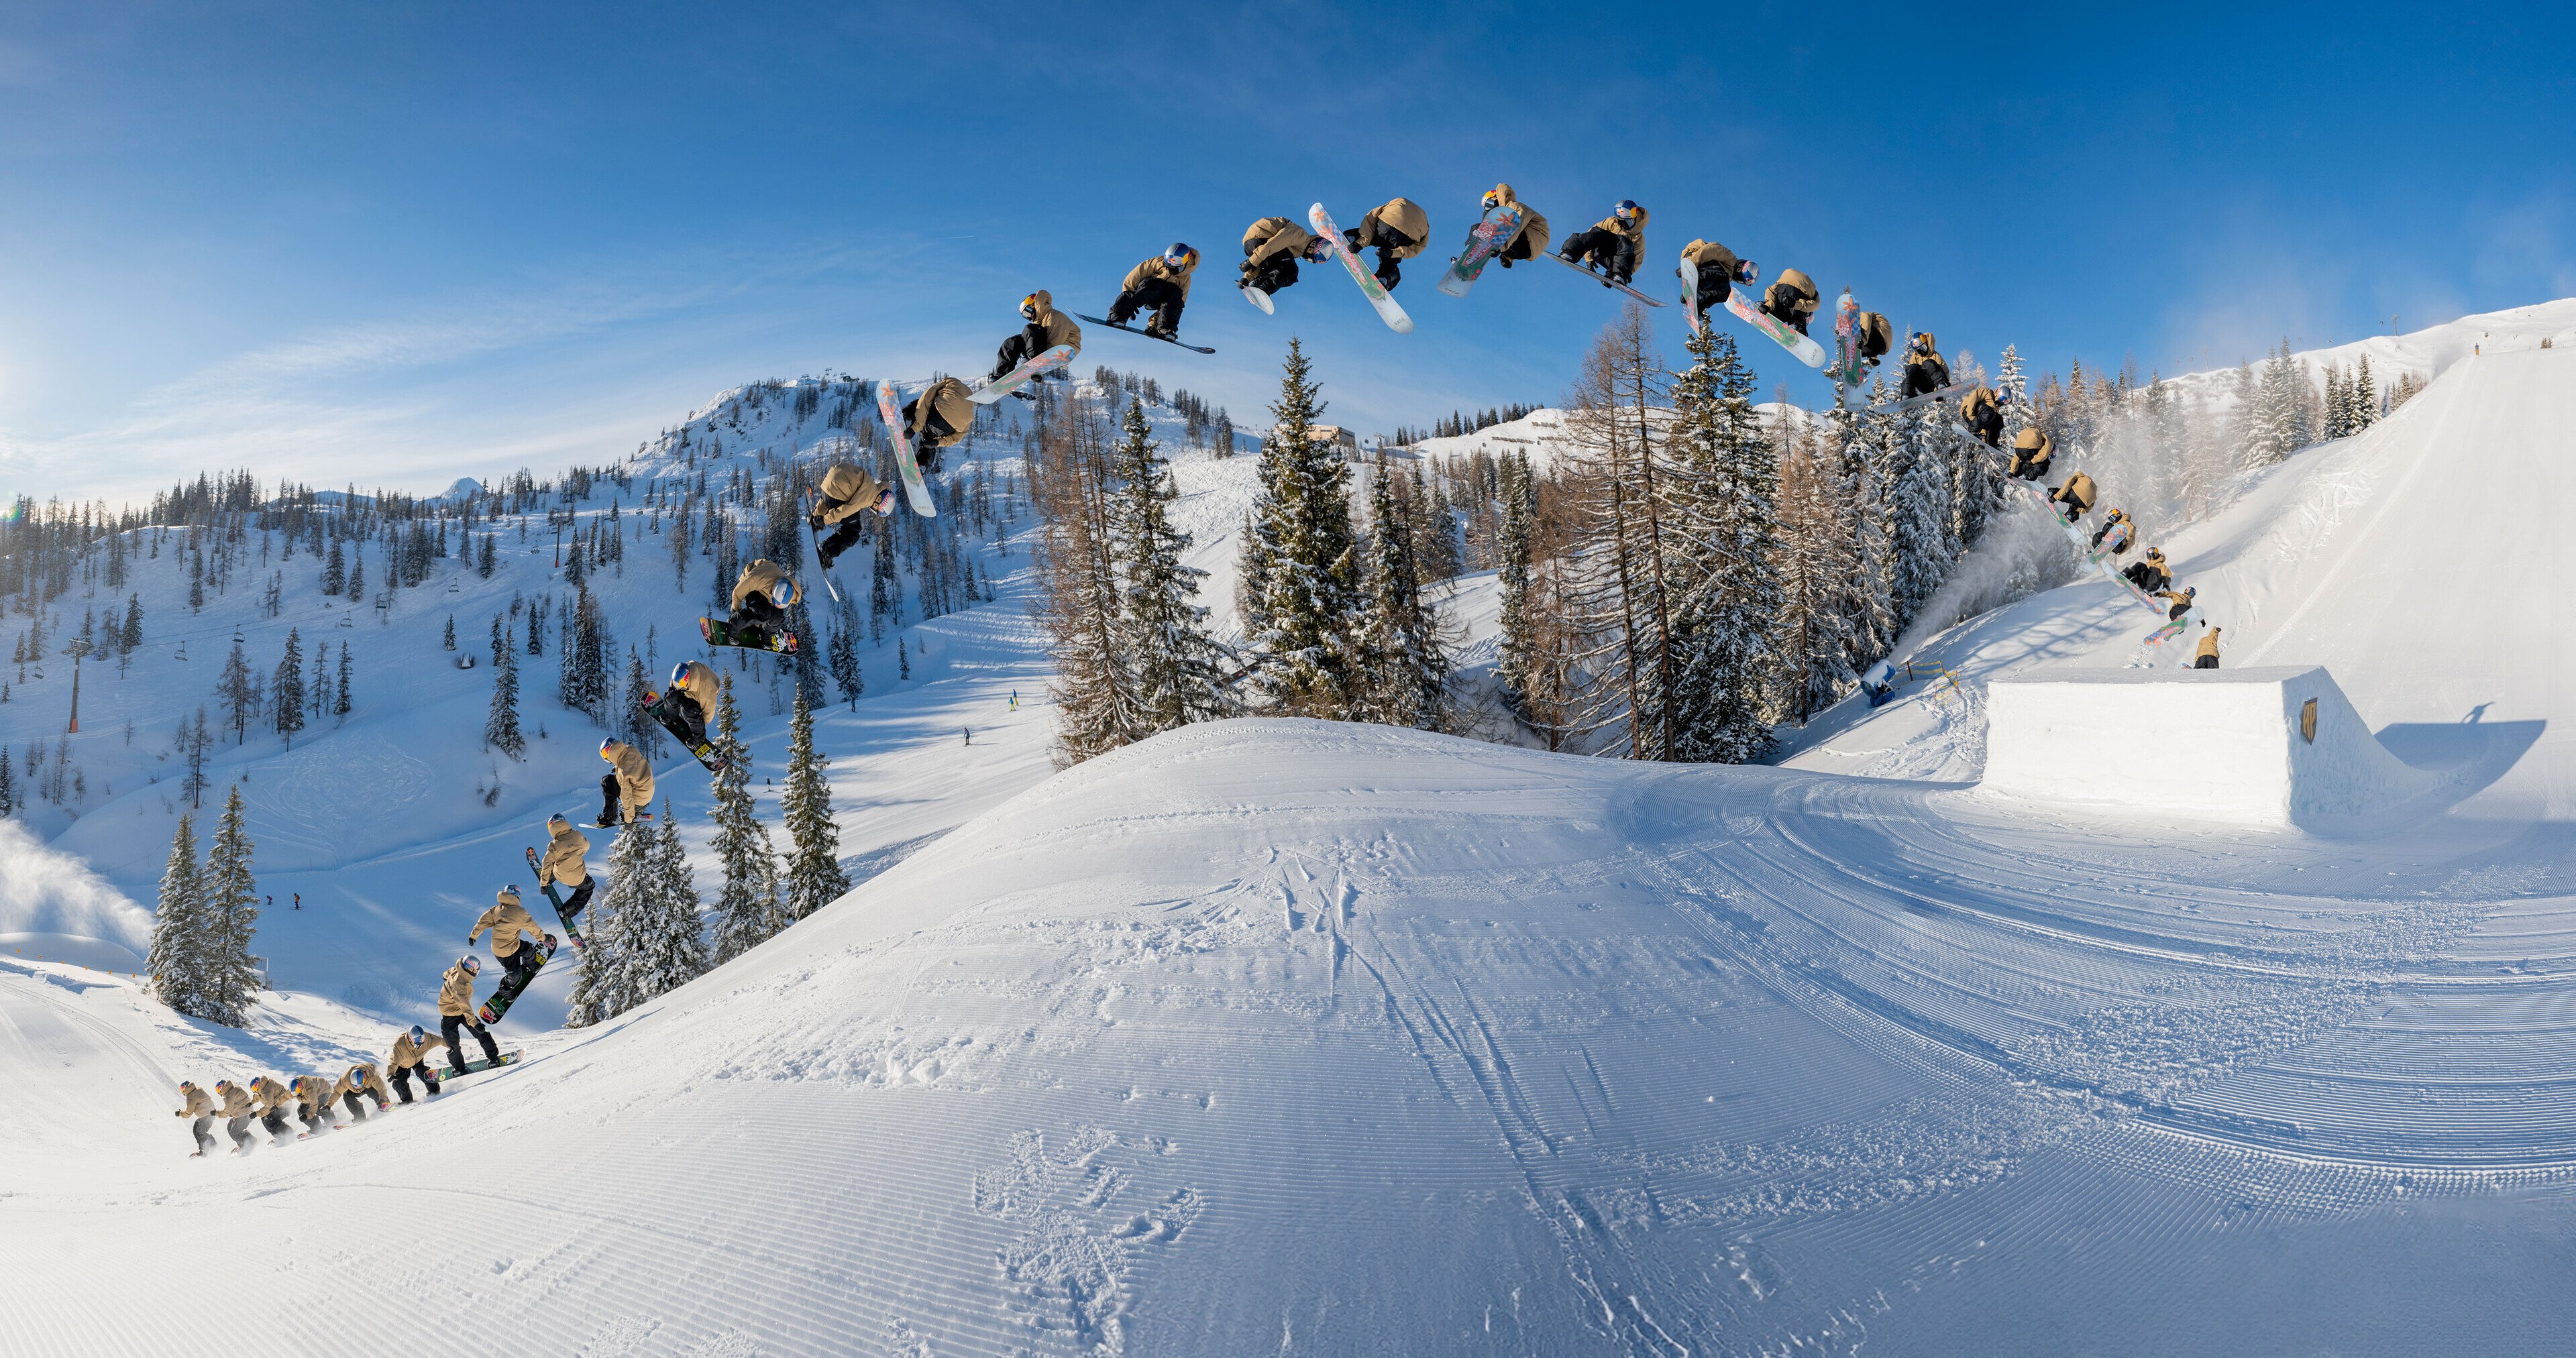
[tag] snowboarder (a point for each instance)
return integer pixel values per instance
(760, 599)
(236, 1112)
(2206, 658)
(2150, 573)
(563, 863)
(689, 702)
(1615, 242)
(844, 492)
(2115, 532)
(193, 1103)
(362, 1078)
(940, 418)
(1161, 284)
(517, 943)
(2032, 449)
(1715, 271)
(1984, 416)
(1527, 242)
(1877, 336)
(2076, 494)
(1792, 301)
(2181, 600)
(270, 1100)
(456, 1010)
(1398, 228)
(1046, 328)
(630, 780)
(313, 1105)
(410, 1058)
(1925, 373)
(1271, 249)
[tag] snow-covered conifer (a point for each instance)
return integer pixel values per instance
(1512, 548)
(1172, 666)
(228, 906)
(1721, 542)
(661, 941)
(814, 876)
(501, 724)
(748, 909)
(287, 686)
(181, 938)
(1311, 597)
(1402, 671)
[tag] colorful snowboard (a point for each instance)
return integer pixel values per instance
(754, 638)
(1387, 309)
(1690, 293)
(508, 1058)
(1750, 312)
(1847, 366)
(1910, 402)
(1487, 239)
(1095, 320)
(578, 942)
(913, 490)
(699, 746)
(1023, 375)
(514, 985)
(1604, 279)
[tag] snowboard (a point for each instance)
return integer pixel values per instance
(578, 942)
(508, 1058)
(1196, 348)
(1260, 299)
(1690, 294)
(2174, 628)
(1846, 366)
(1023, 375)
(751, 638)
(913, 490)
(513, 985)
(1910, 402)
(700, 747)
(1750, 312)
(619, 825)
(1387, 308)
(1603, 279)
(831, 585)
(1485, 240)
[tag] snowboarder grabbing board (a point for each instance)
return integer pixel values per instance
(1388, 310)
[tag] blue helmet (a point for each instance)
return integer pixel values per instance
(679, 674)
(1627, 208)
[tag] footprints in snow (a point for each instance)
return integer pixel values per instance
(1071, 1264)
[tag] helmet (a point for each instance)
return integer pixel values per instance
(1746, 271)
(1180, 256)
(471, 963)
(1318, 250)
(558, 818)
(1497, 196)
(679, 675)
(187, 1084)
(608, 748)
(419, 1034)
(1029, 307)
(1627, 208)
(358, 1073)
(783, 593)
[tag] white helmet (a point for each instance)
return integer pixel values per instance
(783, 593)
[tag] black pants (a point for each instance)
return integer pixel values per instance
(1279, 271)
(1988, 426)
(845, 536)
(1518, 249)
(1791, 311)
(1020, 348)
(1158, 295)
(356, 1109)
(2024, 469)
(315, 1118)
(2075, 509)
(935, 433)
(2207, 662)
(205, 1139)
(2176, 614)
(756, 619)
(447, 1026)
(402, 1080)
(608, 799)
(1388, 240)
(239, 1130)
(682, 717)
(1713, 287)
(1616, 253)
(579, 900)
(1923, 379)
(275, 1121)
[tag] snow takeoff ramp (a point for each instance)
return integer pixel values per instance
(2270, 746)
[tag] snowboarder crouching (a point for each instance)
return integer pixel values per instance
(688, 704)
(269, 1100)
(630, 779)
(313, 1104)
(1160, 284)
(1985, 418)
(936, 420)
(1271, 249)
(761, 597)
(1045, 329)
(564, 865)
(842, 495)
(2150, 572)
(237, 1111)
(194, 1104)
(1925, 373)
(1792, 300)
(362, 1079)
(1615, 242)
(1399, 228)
(410, 1058)
(1530, 239)
(456, 1010)
(1877, 336)
(1715, 271)
(515, 940)
(2032, 450)
(2181, 600)
(2076, 494)
(2115, 531)
(2206, 658)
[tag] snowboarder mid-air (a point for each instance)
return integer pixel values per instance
(456, 1010)
(629, 780)
(2149, 573)
(411, 1058)
(194, 1105)
(563, 864)
(938, 419)
(2180, 599)
(517, 942)
(1792, 300)
(843, 494)
(1531, 238)
(1272, 248)
(2206, 658)
(688, 704)
(2032, 449)
(1615, 243)
(761, 597)
(1399, 228)
(1876, 337)
(2077, 494)
(1715, 271)
(1044, 328)
(1160, 285)
(2115, 533)
(237, 1112)
(1925, 373)
(269, 1099)
(1984, 416)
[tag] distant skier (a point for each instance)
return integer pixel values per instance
(313, 1105)
(2149, 573)
(1527, 242)
(1925, 373)
(270, 1100)
(1792, 301)
(2077, 495)
(237, 1112)
(2180, 599)
(2206, 658)
(1045, 328)
(1160, 284)
(1715, 271)
(456, 1010)
(517, 943)
(566, 866)
(1985, 416)
(760, 599)
(1615, 242)
(1272, 248)
(2032, 450)
(938, 419)
(361, 1078)
(411, 1058)
(1399, 228)
(194, 1104)
(843, 494)
(2114, 534)
(630, 781)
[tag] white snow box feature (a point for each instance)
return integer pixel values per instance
(2241, 745)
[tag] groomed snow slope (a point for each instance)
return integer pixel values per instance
(1292, 1037)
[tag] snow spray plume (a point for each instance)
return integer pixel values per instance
(46, 891)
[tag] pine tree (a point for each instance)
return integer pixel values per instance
(1311, 588)
(1403, 669)
(748, 909)
(1513, 668)
(486, 560)
(340, 704)
(846, 673)
(1172, 666)
(635, 725)
(1722, 547)
(599, 989)
(228, 906)
(448, 640)
(357, 575)
(501, 723)
(661, 941)
(1919, 520)
(2364, 395)
(814, 876)
(287, 686)
(807, 663)
(132, 635)
(181, 933)
(335, 571)
(8, 783)
(1094, 689)
(239, 693)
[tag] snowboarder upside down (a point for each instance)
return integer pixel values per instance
(1792, 301)
(1160, 284)
(1984, 415)
(2116, 531)
(2181, 600)
(1616, 242)
(1045, 328)
(2206, 658)
(1399, 228)
(2032, 451)
(1525, 243)
(2149, 572)
(938, 419)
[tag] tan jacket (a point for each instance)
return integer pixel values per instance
(562, 861)
(407, 1056)
(1877, 336)
(634, 780)
(2176, 596)
(1059, 327)
(950, 398)
(364, 1079)
(1156, 268)
(1795, 293)
(455, 993)
(2034, 441)
(1632, 232)
(510, 925)
(1269, 238)
(1700, 254)
(2078, 488)
(237, 1103)
(314, 1092)
(1533, 226)
(193, 1103)
(2208, 645)
(268, 1095)
(1403, 215)
(1983, 398)
(756, 578)
(846, 490)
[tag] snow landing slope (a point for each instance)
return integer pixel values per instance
(1286, 1036)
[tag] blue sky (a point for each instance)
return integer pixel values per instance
(401, 243)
